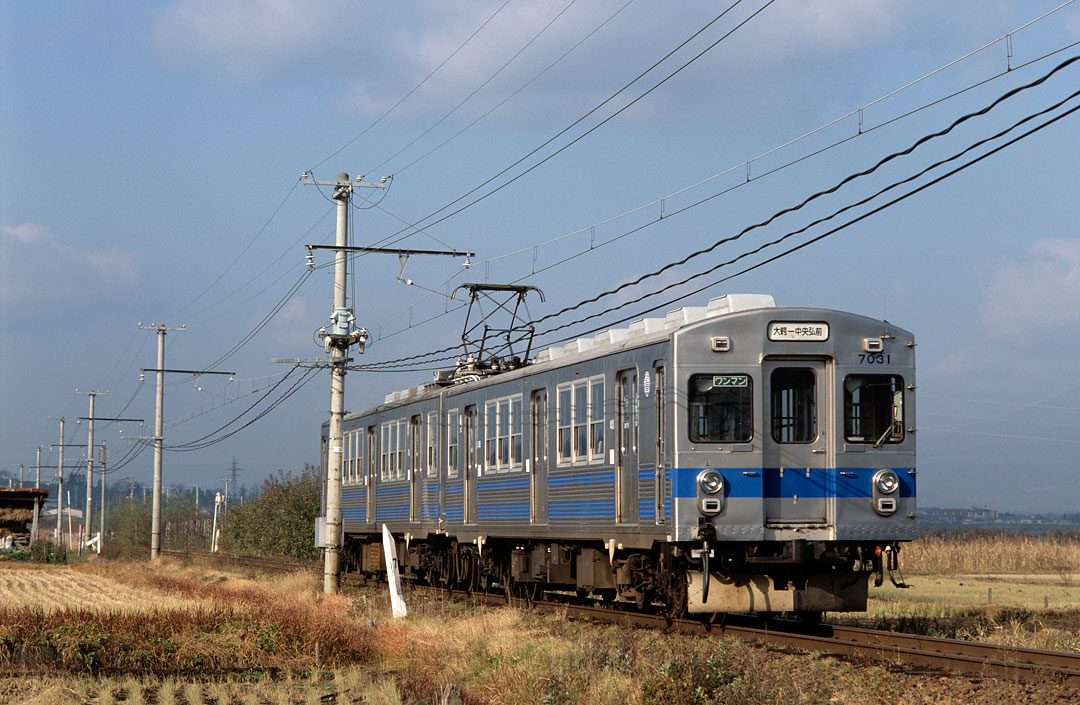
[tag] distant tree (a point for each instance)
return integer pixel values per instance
(183, 526)
(281, 522)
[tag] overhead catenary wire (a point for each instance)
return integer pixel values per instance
(833, 189)
(826, 234)
(914, 191)
(669, 214)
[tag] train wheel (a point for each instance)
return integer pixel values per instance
(676, 598)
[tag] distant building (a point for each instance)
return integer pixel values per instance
(20, 515)
(952, 517)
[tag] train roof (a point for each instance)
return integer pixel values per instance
(643, 331)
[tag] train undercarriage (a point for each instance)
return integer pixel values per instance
(798, 577)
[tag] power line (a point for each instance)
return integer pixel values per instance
(525, 85)
(405, 97)
(579, 120)
(863, 130)
(818, 238)
(858, 219)
(809, 199)
(476, 90)
(251, 242)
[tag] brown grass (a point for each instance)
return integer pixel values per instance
(993, 553)
(177, 625)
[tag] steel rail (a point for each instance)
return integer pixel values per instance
(957, 655)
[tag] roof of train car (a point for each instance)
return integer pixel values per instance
(640, 333)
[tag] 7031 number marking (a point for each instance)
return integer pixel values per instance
(874, 358)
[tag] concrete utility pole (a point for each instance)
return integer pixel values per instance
(343, 334)
(87, 524)
(159, 428)
(59, 532)
(101, 511)
(37, 470)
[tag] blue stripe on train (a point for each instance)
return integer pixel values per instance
(582, 509)
(767, 482)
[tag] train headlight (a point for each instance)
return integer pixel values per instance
(886, 481)
(710, 481)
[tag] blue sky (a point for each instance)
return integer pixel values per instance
(151, 152)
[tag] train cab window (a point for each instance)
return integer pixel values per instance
(721, 408)
(453, 431)
(794, 405)
(874, 409)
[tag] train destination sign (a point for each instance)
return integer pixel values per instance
(799, 331)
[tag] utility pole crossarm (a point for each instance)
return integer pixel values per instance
(390, 250)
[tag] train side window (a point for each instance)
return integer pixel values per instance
(358, 463)
(453, 431)
(515, 431)
(581, 421)
(503, 433)
(372, 456)
(566, 453)
(874, 409)
(596, 419)
(415, 429)
(346, 459)
(721, 408)
(794, 405)
(384, 456)
(433, 443)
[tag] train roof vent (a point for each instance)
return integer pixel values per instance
(579, 345)
(549, 354)
(733, 303)
(683, 316)
(644, 326)
(391, 397)
(612, 335)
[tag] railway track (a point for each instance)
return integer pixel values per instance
(910, 651)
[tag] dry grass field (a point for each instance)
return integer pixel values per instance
(187, 633)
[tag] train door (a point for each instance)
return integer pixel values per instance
(626, 447)
(416, 472)
(660, 476)
(539, 449)
(371, 472)
(795, 441)
(472, 462)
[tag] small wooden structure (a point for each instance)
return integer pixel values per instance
(20, 513)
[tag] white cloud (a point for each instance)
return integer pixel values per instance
(246, 40)
(1039, 292)
(40, 273)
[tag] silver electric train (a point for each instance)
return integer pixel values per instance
(734, 457)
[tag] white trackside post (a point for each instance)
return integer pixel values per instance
(397, 602)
